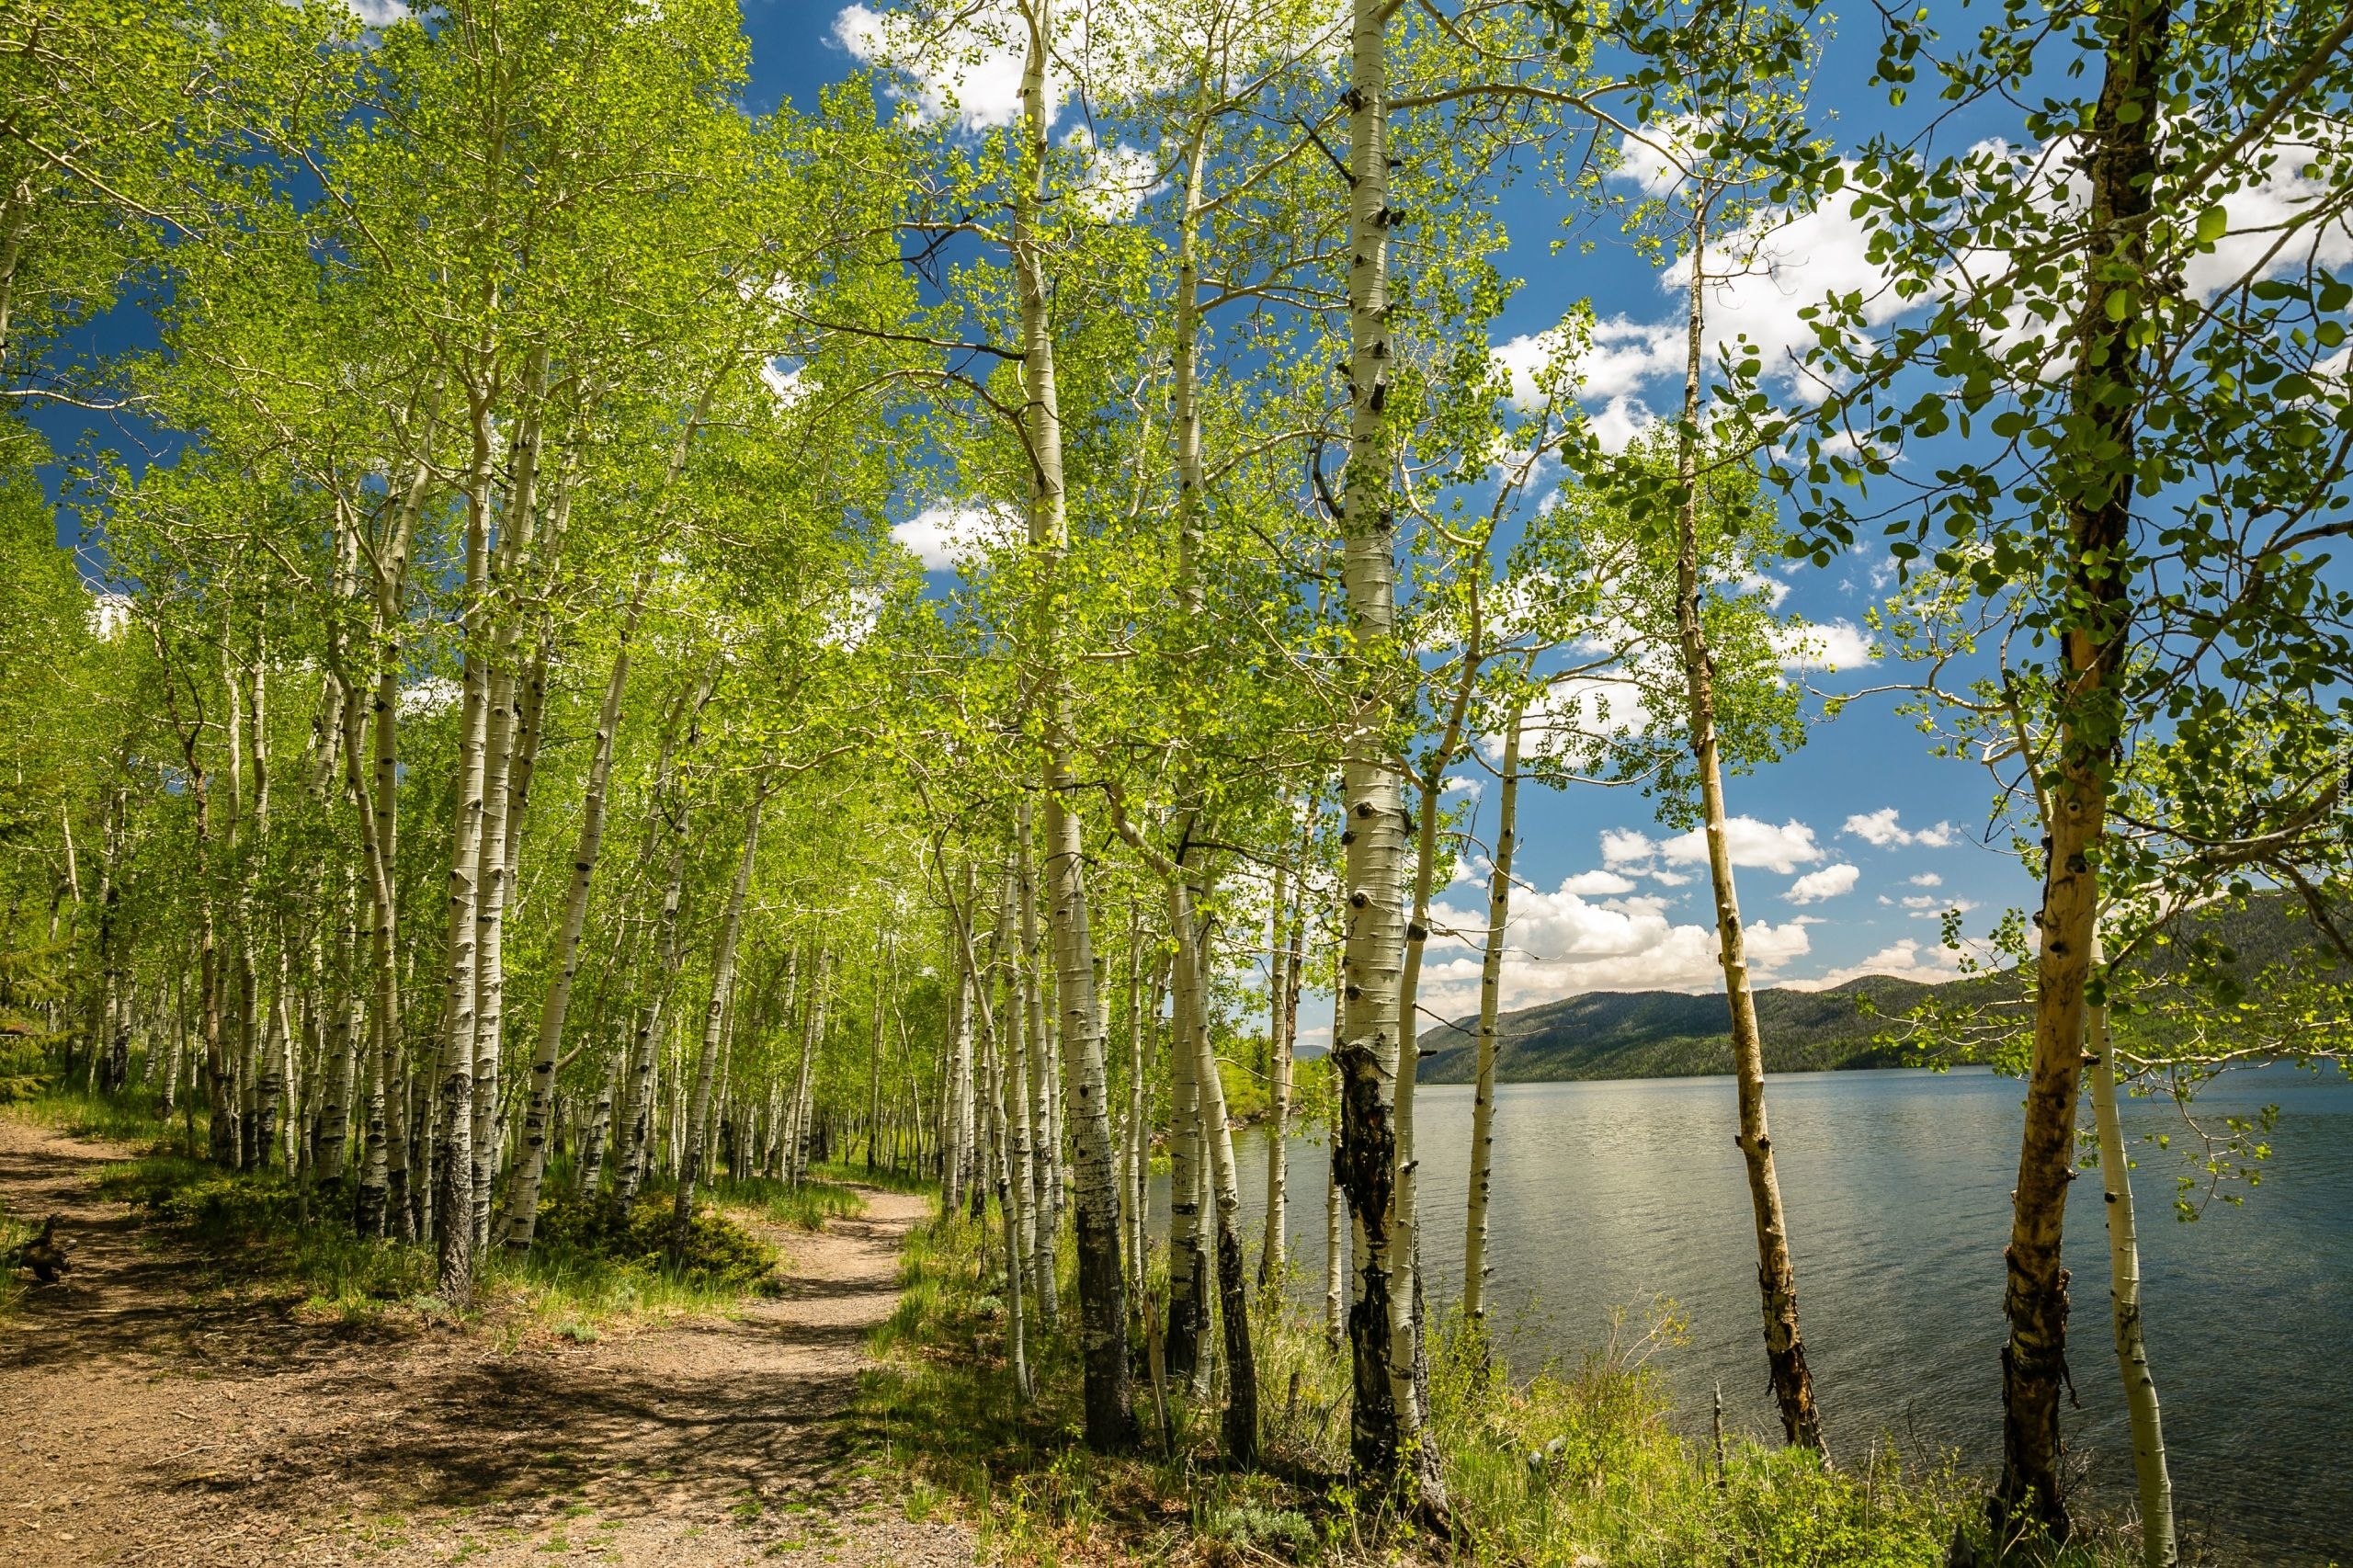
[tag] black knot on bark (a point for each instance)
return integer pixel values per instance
(1418, 933)
(1357, 899)
(1364, 808)
(1348, 836)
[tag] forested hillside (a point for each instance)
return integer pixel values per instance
(1667, 1034)
(1868, 1022)
(603, 665)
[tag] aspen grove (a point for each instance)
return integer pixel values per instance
(622, 648)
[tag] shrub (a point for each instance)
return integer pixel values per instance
(721, 1254)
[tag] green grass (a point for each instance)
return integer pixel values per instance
(855, 1173)
(261, 1229)
(583, 1272)
(14, 1234)
(803, 1208)
(131, 1116)
(1568, 1465)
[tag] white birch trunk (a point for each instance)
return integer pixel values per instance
(1491, 975)
(1283, 1032)
(523, 1192)
(2159, 1548)
(698, 1140)
(1775, 1274)
(453, 1198)
(1241, 1423)
(1385, 1417)
(1000, 1162)
(813, 1040)
(1187, 1262)
(1015, 1194)
(1036, 1072)
(1110, 1418)
(506, 754)
(956, 1163)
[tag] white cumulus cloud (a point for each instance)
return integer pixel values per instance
(1938, 908)
(1881, 829)
(1907, 959)
(1752, 843)
(949, 533)
(1822, 645)
(969, 71)
(1828, 882)
(1562, 944)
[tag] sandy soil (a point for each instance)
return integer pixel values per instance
(150, 1416)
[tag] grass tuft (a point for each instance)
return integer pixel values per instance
(586, 1272)
(132, 1116)
(1572, 1466)
(806, 1206)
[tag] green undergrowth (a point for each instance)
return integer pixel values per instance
(586, 1272)
(134, 1117)
(1568, 1465)
(14, 1234)
(24, 1060)
(854, 1173)
(805, 1207)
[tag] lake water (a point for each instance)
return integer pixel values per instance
(1608, 1195)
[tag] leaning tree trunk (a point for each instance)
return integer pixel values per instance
(1384, 1439)
(1776, 1274)
(636, 1151)
(2093, 484)
(2158, 1547)
(1491, 975)
(723, 985)
(1110, 1415)
(1241, 1424)
(523, 1189)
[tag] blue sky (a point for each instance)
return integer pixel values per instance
(1858, 840)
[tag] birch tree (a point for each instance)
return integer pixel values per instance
(2110, 228)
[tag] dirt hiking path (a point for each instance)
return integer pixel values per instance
(150, 1414)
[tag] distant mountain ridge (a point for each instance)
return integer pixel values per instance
(1667, 1034)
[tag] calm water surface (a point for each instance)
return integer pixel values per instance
(1609, 1194)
